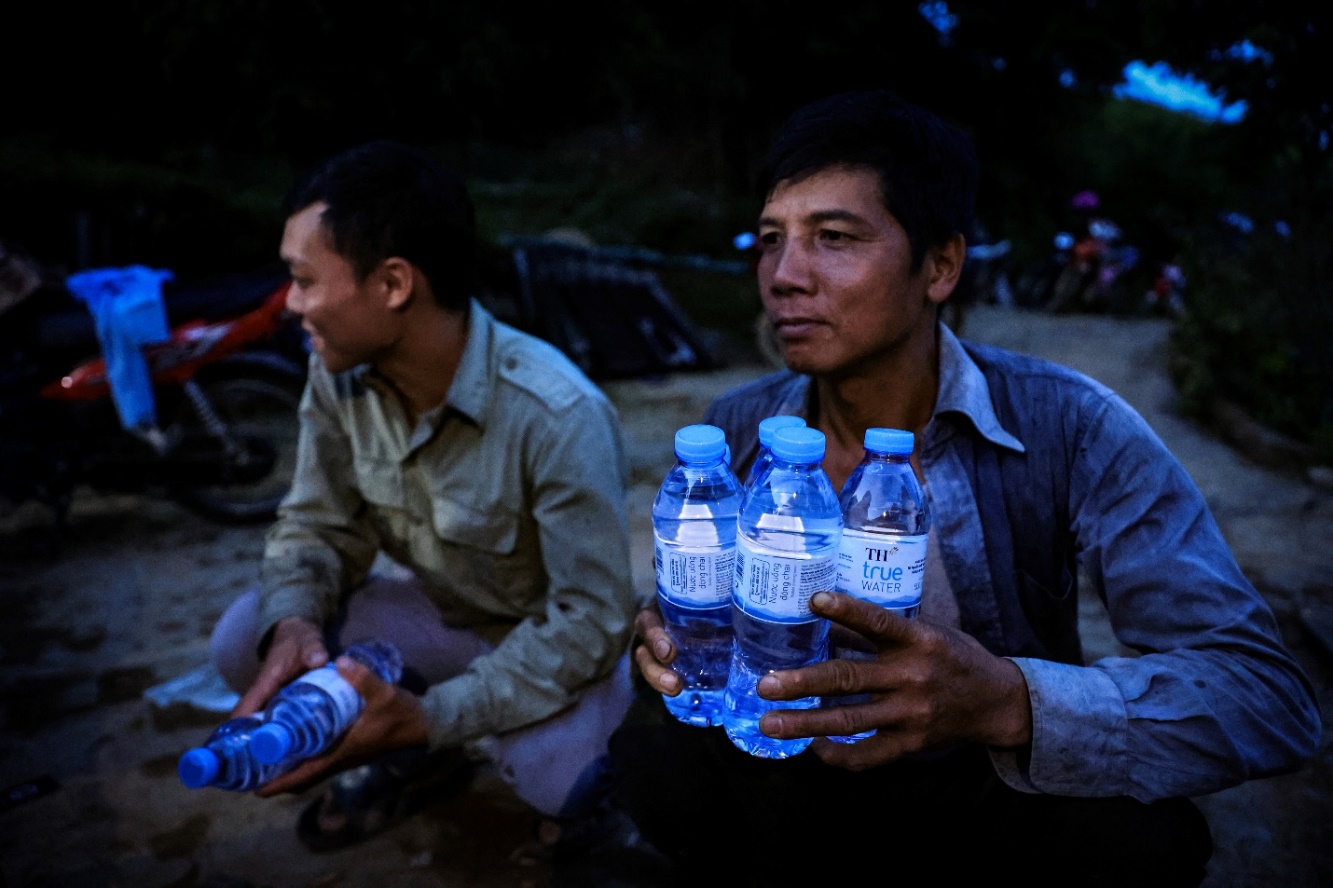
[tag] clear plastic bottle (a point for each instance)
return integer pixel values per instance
(694, 532)
(225, 761)
(882, 556)
(764, 458)
(786, 550)
(305, 717)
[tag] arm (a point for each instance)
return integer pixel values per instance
(321, 546)
(575, 462)
(1215, 698)
(317, 549)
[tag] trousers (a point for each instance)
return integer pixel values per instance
(725, 817)
(551, 764)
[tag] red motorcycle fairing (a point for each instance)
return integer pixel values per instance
(192, 345)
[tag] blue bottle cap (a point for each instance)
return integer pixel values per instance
(700, 443)
(271, 743)
(893, 441)
(198, 767)
(768, 426)
(798, 444)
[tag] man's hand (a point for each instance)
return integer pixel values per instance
(297, 647)
(930, 687)
(656, 652)
(392, 719)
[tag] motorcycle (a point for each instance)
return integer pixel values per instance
(226, 383)
(1095, 265)
(1166, 296)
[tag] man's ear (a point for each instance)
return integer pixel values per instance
(398, 278)
(945, 265)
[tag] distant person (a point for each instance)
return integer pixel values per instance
(492, 474)
(1000, 757)
(1099, 259)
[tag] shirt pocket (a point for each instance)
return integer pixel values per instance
(1052, 614)
(495, 532)
(1033, 588)
(380, 483)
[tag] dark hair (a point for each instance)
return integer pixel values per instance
(387, 199)
(927, 168)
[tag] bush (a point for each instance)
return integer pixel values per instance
(1260, 313)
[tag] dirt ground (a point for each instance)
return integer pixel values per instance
(127, 604)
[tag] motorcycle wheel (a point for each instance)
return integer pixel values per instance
(260, 412)
(1068, 292)
(1031, 287)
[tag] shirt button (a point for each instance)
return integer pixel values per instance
(511, 363)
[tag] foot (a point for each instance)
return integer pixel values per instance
(365, 801)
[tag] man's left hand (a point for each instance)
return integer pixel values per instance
(392, 719)
(930, 687)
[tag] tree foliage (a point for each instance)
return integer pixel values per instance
(164, 131)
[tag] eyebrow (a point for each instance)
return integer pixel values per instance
(822, 216)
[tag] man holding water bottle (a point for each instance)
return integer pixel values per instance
(459, 492)
(997, 750)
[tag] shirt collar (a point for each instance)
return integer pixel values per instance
(470, 392)
(963, 389)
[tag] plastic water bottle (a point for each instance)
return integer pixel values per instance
(764, 458)
(305, 717)
(225, 760)
(882, 556)
(786, 550)
(694, 531)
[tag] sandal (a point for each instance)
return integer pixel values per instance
(364, 801)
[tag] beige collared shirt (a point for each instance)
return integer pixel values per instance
(507, 501)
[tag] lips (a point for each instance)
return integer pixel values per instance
(794, 327)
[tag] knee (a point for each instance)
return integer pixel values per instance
(233, 646)
(1112, 842)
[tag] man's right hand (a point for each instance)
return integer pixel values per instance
(297, 647)
(655, 652)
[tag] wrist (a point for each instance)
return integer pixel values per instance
(1011, 724)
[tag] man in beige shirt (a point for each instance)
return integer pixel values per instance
(486, 467)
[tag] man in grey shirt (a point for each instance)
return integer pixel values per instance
(459, 492)
(999, 754)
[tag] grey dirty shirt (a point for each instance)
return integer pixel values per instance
(507, 502)
(1215, 697)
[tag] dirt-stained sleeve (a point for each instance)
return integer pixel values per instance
(1215, 698)
(320, 546)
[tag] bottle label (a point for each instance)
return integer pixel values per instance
(346, 701)
(773, 586)
(695, 576)
(886, 568)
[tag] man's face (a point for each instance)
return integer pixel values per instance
(835, 273)
(347, 323)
